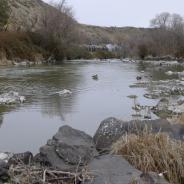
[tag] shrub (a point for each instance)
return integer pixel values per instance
(19, 45)
(77, 52)
(4, 13)
(154, 152)
(142, 51)
(104, 55)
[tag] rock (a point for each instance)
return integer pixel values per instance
(161, 109)
(163, 104)
(111, 169)
(4, 167)
(25, 158)
(111, 129)
(95, 77)
(64, 92)
(139, 85)
(5, 156)
(68, 149)
(167, 108)
(151, 96)
(151, 178)
(11, 97)
(49, 157)
(169, 73)
(138, 77)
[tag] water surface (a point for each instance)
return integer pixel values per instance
(30, 125)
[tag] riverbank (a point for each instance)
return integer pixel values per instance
(26, 48)
(20, 47)
(73, 157)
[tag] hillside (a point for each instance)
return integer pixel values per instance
(97, 35)
(50, 31)
(26, 15)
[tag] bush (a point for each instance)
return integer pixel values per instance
(19, 45)
(142, 51)
(154, 152)
(104, 55)
(77, 52)
(4, 13)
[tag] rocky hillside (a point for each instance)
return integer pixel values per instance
(26, 15)
(96, 34)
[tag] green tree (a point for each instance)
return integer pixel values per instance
(4, 13)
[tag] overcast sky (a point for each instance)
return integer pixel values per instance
(122, 12)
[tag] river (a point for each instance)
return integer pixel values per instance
(28, 126)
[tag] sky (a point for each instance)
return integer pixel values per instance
(120, 13)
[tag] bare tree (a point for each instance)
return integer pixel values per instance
(177, 23)
(58, 28)
(161, 20)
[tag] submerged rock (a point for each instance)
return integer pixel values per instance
(151, 96)
(95, 77)
(169, 73)
(11, 97)
(68, 149)
(64, 92)
(139, 77)
(166, 108)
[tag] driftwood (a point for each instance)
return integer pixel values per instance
(36, 174)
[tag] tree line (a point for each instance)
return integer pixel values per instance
(166, 37)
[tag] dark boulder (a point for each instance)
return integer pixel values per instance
(25, 158)
(4, 167)
(68, 149)
(49, 157)
(112, 129)
(111, 169)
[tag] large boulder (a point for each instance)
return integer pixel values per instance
(111, 129)
(113, 169)
(68, 149)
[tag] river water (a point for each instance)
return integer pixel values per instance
(28, 126)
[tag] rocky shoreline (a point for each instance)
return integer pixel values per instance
(72, 156)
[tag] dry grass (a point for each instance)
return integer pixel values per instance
(154, 152)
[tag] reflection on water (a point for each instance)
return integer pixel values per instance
(29, 125)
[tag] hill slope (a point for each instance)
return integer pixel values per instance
(26, 15)
(97, 35)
